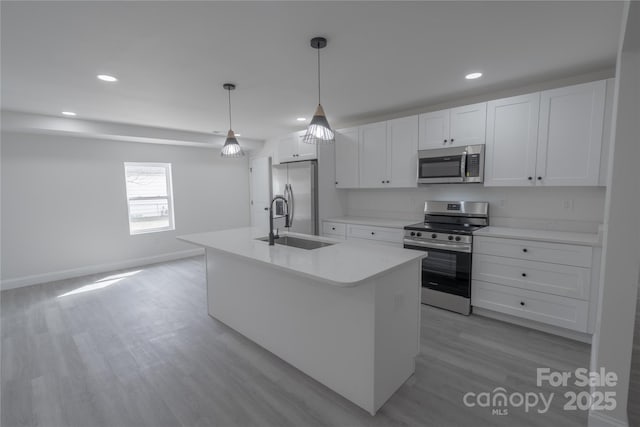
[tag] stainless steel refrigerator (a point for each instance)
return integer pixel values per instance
(297, 182)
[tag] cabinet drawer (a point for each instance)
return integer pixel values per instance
(391, 235)
(556, 253)
(550, 309)
(334, 229)
(556, 279)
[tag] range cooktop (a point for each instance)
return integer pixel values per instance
(432, 227)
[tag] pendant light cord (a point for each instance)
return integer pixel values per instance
(318, 75)
(229, 90)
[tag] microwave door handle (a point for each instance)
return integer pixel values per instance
(463, 166)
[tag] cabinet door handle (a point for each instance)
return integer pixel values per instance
(336, 182)
(445, 141)
(333, 228)
(388, 182)
(530, 178)
(522, 303)
(524, 250)
(372, 233)
(524, 274)
(383, 181)
(539, 178)
(451, 139)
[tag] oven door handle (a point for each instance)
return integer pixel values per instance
(444, 246)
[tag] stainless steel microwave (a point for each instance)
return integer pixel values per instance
(451, 165)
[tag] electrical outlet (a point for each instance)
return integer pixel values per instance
(567, 204)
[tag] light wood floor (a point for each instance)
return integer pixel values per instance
(140, 350)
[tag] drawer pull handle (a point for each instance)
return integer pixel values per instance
(372, 233)
(524, 250)
(524, 274)
(522, 303)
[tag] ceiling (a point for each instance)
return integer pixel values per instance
(171, 58)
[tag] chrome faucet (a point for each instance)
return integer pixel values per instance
(286, 218)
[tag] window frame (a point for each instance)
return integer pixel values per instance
(169, 197)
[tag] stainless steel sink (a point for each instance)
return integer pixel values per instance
(297, 242)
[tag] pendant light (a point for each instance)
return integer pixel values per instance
(231, 147)
(319, 130)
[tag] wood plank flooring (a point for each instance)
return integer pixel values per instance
(137, 348)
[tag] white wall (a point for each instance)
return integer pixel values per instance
(613, 338)
(64, 205)
(541, 207)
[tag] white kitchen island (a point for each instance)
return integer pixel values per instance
(348, 315)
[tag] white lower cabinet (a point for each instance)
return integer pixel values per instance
(546, 308)
(361, 232)
(545, 282)
(556, 279)
(334, 229)
(382, 234)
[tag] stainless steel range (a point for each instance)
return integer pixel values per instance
(446, 235)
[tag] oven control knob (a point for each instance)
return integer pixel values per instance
(413, 234)
(433, 236)
(419, 234)
(450, 237)
(457, 238)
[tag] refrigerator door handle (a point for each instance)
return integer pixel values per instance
(292, 206)
(288, 206)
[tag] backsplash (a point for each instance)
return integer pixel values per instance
(576, 209)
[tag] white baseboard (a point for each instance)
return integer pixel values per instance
(35, 279)
(550, 329)
(598, 419)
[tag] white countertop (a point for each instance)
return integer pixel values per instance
(584, 239)
(346, 263)
(376, 222)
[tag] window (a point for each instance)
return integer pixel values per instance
(149, 197)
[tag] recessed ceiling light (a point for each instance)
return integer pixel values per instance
(301, 119)
(106, 78)
(68, 113)
(472, 76)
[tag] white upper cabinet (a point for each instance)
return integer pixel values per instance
(455, 127)
(292, 148)
(434, 130)
(378, 155)
(402, 152)
(570, 135)
(373, 155)
(512, 140)
(306, 151)
(347, 158)
(468, 125)
(287, 148)
(549, 138)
